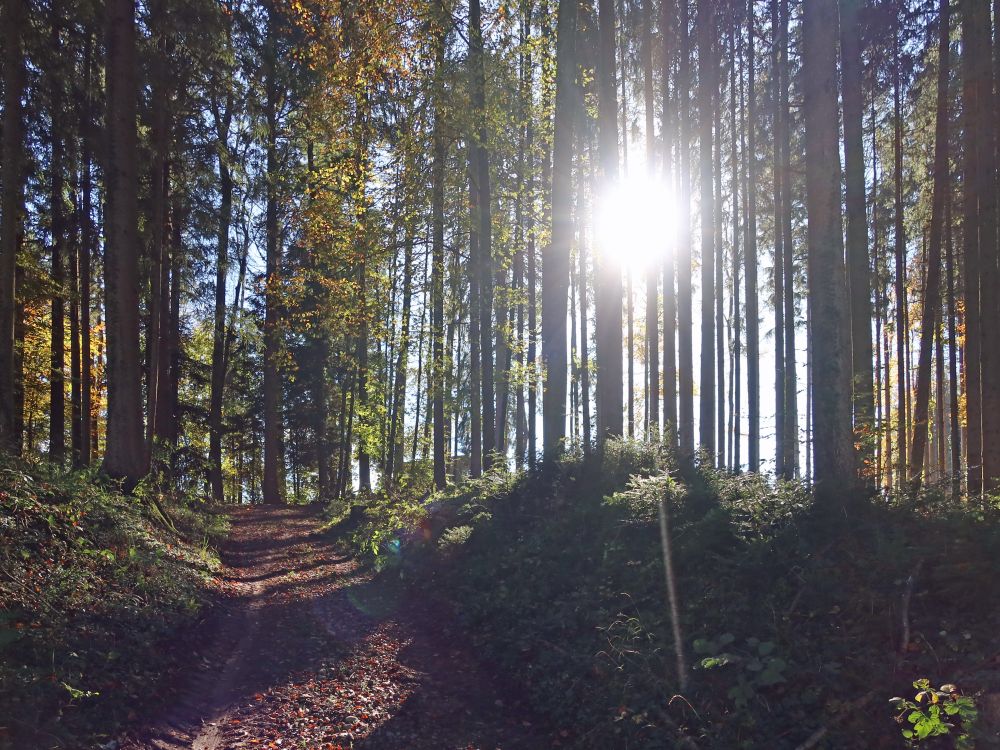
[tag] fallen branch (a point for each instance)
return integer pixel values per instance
(911, 582)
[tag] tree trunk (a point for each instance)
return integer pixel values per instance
(218, 377)
(475, 339)
(608, 273)
(902, 327)
(750, 256)
(652, 386)
(953, 354)
(685, 325)
(980, 138)
(778, 277)
(834, 453)
(76, 413)
(738, 136)
(707, 85)
(555, 260)
(791, 431)
(87, 243)
(12, 158)
(398, 410)
(57, 208)
(858, 262)
(668, 130)
(437, 272)
(932, 286)
(482, 182)
(274, 480)
(124, 455)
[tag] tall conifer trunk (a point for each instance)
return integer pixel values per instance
(932, 286)
(555, 258)
(124, 455)
(858, 261)
(707, 84)
(831, 347)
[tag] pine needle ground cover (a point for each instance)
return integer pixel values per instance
(93, 585)
(796, 627)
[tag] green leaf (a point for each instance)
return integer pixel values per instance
(765, 648)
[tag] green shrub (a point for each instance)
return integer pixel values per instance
(93, 581)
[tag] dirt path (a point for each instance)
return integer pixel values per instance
(308, 652)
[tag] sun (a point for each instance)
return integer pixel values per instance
(635, 222)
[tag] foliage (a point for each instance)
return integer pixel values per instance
(557, 573)
(932, 712)
(93, 581)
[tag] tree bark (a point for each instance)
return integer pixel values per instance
(932, 286)
(791, 431)
(485, 222)
(750, 256)
(437, 271)
(57, 215)
(555, 260)
(124, 456)
(12, 158)
(685, 325)
(87, 245)
(834, 453)
(223, 120)
(953, 355)
(980, 138)
(274, 480)
(858, 261)
(652, 386)
(902, 326)
(668, 131)
(707, 85)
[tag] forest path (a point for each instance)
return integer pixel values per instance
(308, 651)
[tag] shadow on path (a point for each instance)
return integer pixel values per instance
(307, 651)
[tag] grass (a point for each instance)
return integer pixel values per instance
(92, 584)
(792, 619)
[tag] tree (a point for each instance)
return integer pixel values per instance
(750, 254)
(437, 273)
(834, 453)
(685, 356)
(652, 273)
(58, 236)
(707, 85)
(222, 106)
(932, 286)
(668, 130)
(274, 480)
(11, 209)
(481, 181)
(124, 455)
(555, 258)
(858, 261)
(608, 292)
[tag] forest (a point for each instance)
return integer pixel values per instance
(499, 373)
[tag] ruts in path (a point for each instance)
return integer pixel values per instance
(306, 650)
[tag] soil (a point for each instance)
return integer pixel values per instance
(309, 650)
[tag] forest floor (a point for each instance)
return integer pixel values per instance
(308, 650)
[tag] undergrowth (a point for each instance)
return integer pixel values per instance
(91, 583)
(793, 619)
